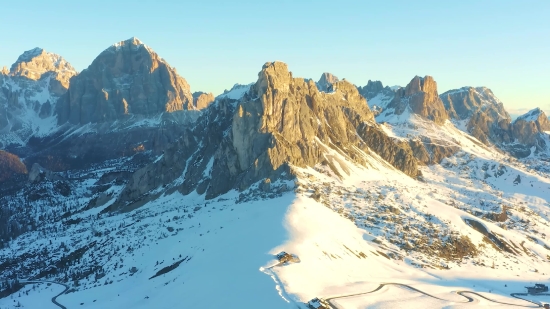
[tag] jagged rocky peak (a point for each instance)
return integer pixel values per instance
(526, 128)
(422, 98)
(4, 71)
(326, 81)
(300, 123)
(279, 123)
(372, 89)
(378, 96)
(202, 99)
(538, 117)
(128, 78)
(464, 102)
(487, 120)
(37, 63)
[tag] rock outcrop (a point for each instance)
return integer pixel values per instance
(201, 100)
(38, 174)
(127, 78)
(421, 97)
(280, 123)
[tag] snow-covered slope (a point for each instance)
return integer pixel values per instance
(236, 92)
(350, 233)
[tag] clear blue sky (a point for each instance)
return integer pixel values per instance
(504, 45)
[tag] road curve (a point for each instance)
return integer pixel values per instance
(461, 293)
(54, 299)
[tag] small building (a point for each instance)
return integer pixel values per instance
(538, 288)
(317, 303)
(284, 257)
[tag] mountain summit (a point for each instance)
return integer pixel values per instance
(421, 98)
(527, 128)
(34, 63)
(127, 78)
(28, 94)
(326, 81)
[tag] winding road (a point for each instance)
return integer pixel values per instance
(461, 293)
(54, 299)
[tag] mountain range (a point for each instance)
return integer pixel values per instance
(106, 171)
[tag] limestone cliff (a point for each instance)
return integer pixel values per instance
(128, 78)
(421, 98)
(202, 100)
(279, 123)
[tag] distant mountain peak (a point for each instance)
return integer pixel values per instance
(418, 84)
(128, 78)
(326, 81)
(131, 43)
(34, 63)
(420, 97)
(29, 54)
(532, 115)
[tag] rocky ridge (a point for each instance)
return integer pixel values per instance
(486, 119)
(485, 116)
(279, 123)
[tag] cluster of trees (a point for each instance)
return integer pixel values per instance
(10, 165)
(9, 286)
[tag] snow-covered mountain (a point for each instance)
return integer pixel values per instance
(29, 93)
(164, 205)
